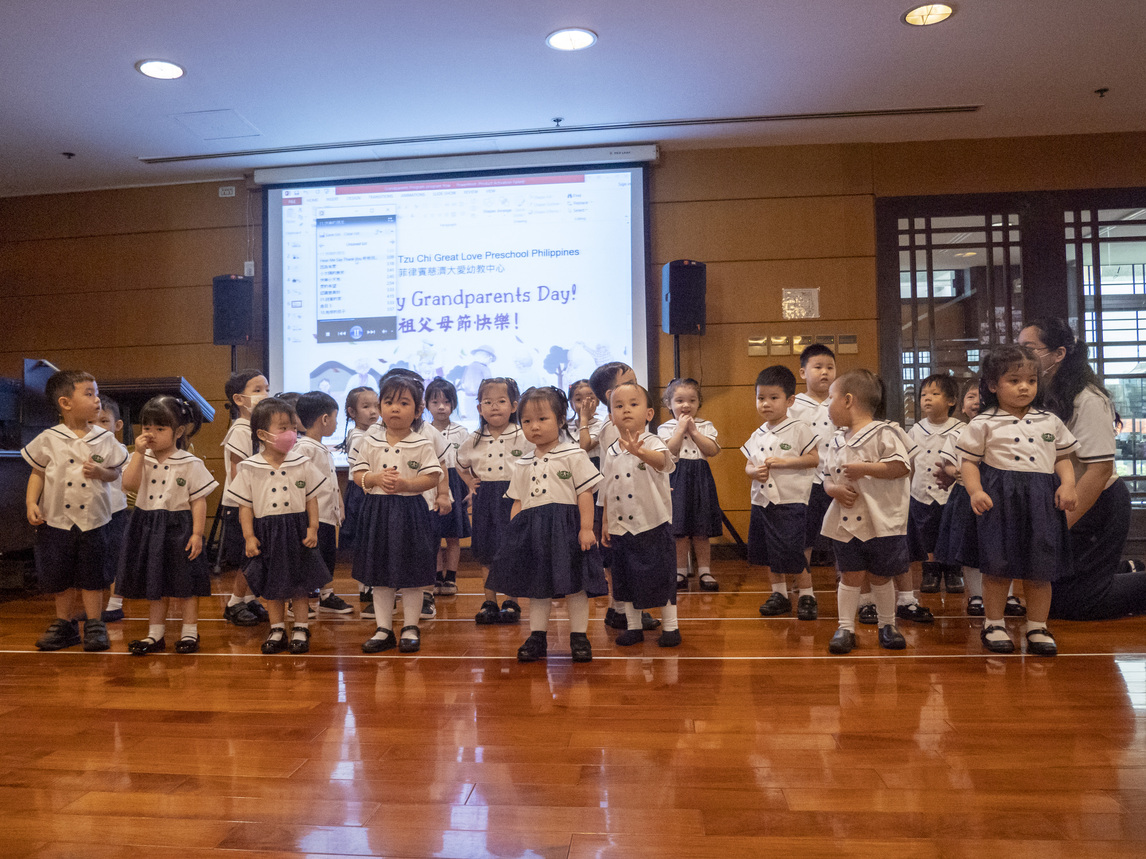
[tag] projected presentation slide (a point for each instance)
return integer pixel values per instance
(538, 277)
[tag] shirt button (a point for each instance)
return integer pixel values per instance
(67, 506)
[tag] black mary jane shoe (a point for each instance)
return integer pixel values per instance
(410, 644)
(276, 642)
(144, 646)
(1042, 648)
(377, 645)
(187, 644)
(1002, 645)
(299, 645)
(580, 648)
(535, 647)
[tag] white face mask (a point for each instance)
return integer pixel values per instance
(254, 399)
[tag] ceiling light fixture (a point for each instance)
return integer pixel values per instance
(159, 69)
(571, 39)
(929, 13)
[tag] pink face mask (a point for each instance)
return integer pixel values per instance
(284, 441)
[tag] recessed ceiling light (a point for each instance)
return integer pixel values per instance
(571, 39)
(159, 69)
(930, 13)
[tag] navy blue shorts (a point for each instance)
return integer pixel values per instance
(923, 528)
(71, 559)
(328, 545)
(881, 556)
(776, 538)
(818, 503)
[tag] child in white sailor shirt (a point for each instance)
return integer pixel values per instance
(69, 503)
(277, 491)
(818, 370)
(488, 456)
(549, 550)
(1016, 467)
(867, 476)
(636, 500)
(781, 460)
(395, 548)
(585, 428)
(453, 525)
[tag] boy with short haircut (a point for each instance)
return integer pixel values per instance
(938, 396)
(110, 420)
(867, 477)
(69, 503)
(782, 458)
(318, 413)
(818, 370)
(603, 380)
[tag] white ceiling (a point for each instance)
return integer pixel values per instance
(314, 73)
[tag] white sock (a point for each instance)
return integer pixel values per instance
(156, 631)
(704, 571)
(325, 592)
(805, 592)
(299, 630)
(384, 608)
(906, 598)
(116, 602)
(578, 607)
(234, 600)
(669, 621)
(250, 598)
(780, 588)
(190, 630)
(539, 615)
(865, 599)
(632, 616)
(411, 606)
(622, 607)
(682, 571)
(884, 596)
(847, 599)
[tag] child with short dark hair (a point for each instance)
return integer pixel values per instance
(938, 397)
(69, 503)
(317, 414)
(453, 526)
(110, 420)
(818, 370)
(163, 551)
(782, 459)
(868, 478)
(361, 415)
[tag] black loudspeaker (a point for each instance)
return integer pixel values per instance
(682, 297)
(233, 300)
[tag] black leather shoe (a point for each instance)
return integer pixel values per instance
(1014, 607)
(932, 578)
(187, 644)
(807, 608)
(60, 634)
(580, 648)
(844, 641)
(630, 637)
(510, 612)
(868, 614)
(299, 645)
(648, 622)
(410, 643)
(616, 619)
(669, 638)
(144, 646)
(95, 636)
(258, 610)
(891, 638)
(975, 607)
(488, 613)
(535, 647)
(1041, 648)
(240, 615)
(377, 645)
(914, 612)
(953, 578)
(776, 605)
(1003, 645)
(276, 642)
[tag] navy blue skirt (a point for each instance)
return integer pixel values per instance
(116, 528)
(284, 568)
(542, 558)
(455, 524)
(154, 564)
(395, 546)
(695, 507)
(923, 528)
(491, 520)
(353, 507)
(644, 567)
(957, 543)
(1023, 536)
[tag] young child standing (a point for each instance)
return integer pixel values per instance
(163, 557)
(395, 548)
(361, 415)
(550, 551)
(818, 370)
(277, 491)
(636, 504)
(489, 455)
(782, 458)
(696, 516)
(110, 420)
(867, 477)
(69, 504)
(318, 415)
(441, 402)
(938, 396)
(585, 428)
(245, 390)
(1015, 462)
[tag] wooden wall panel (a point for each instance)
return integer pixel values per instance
(769, 229)
(774, 171)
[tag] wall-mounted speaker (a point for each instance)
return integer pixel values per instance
(233, 299)
(683, 285)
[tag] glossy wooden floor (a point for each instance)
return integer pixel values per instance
(748, 740)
